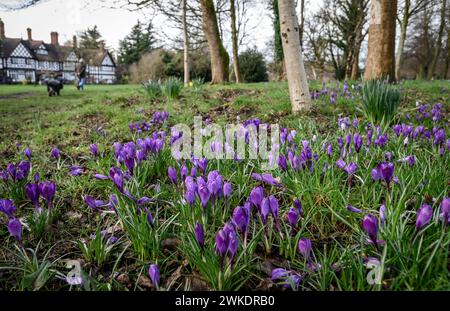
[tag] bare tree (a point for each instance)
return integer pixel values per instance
(234, 41)
(187, 76)
(295, 69)
(380, 59)
(438, 48)
(408, 9)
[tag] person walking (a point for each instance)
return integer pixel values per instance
(81, 74)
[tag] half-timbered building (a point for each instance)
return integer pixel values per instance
(33, 60)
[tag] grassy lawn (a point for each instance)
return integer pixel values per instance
(102, 114)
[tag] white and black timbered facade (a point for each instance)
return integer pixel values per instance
(32, 60)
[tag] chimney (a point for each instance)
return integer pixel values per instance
(54, 38)
(75, 43)
(30, 37)
(2, 29)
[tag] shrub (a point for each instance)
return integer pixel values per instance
(172, 88)
(380, 101)
(253, 66)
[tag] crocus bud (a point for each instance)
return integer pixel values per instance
(227, 188)
(424, 215)
(304, 247)
(28, 153)
(15, 228)
(256, 196)
(200, 235)
(293, 217)
(153, 272)
(47, 190)
(94, 150)
(370, 226)
(173, 176)
(445, 211)
(55, 153)
(241, 218)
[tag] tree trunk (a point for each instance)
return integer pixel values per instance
(219, 56)
(401, 42)
(187, 75)
(438, 49)
(234, 39)
(380, 59)
(447, 59)
(295, 69)
(302, 21)
(355, 67)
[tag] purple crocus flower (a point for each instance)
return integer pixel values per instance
(93, 203)
(233, 243)
(424, 215)
(15, 228)
(47, 190)
(55, 153)
(173, 176)
(116, 176)
(76, 170)
(32, 191)
(36, 177)
(101, 177)
(28, 153)
(4, 175)
(265, 210)
(445, 211)
(94, 149)
(199, 234)
(298, 206)
(184, 171)
(293, 217)
(353, 209)
(190, 197)
(153, 272)
(274, 207)
(7, 207)
(241, 218)
(350, 169)
(203, 192)
(227, 188)
(289, 279)
(370, 226)
(304, 247)
(329, 150)
(340, 164)
(222, 243)
(282, 162)
(12, 170)
(256, 196)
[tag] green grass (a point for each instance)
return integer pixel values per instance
(101, 114)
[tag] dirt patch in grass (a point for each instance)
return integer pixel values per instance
(18, 95)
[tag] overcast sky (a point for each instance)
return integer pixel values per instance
(68, 17)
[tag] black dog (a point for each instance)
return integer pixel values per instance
(54, 87)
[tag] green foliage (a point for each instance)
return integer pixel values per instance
(152, 88)
(253, 66)
(172, 88)
(97, 249)
(91, 38)
(138, 42)
(380, 102)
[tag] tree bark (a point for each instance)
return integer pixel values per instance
(187, 75)
(355, 67)
(302, 21)
(438, 49)
(447, 59)
(401, 42)
(219, 56)
(380, 59)
(234, 39)
(295, 69)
